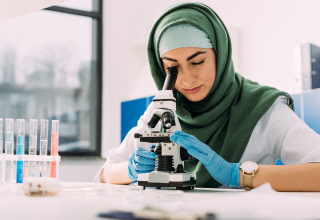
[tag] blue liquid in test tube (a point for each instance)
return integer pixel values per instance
(20, 148)
(9, 144)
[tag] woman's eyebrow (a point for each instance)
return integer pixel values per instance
(195, 54)
(170, 59)
(189, 58)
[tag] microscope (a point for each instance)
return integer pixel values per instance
(169, 171)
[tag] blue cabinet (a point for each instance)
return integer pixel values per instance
(131, 111)
(311, 108)
(297, 104)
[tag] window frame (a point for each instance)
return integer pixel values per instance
(98, 16)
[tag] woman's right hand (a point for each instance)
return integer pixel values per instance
(141, 161)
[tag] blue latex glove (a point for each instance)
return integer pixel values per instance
(221, 170)
(141, 161)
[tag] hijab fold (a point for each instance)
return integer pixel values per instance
(226, 117)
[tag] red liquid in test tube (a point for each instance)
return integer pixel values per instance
(25, 173)
(54, 146)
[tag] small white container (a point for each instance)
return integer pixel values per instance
(41, 186)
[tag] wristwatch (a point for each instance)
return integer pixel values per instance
(248, 169)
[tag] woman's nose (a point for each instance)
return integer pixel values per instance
(188, 77)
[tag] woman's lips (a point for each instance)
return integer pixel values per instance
(194, 90)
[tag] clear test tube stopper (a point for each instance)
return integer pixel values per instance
(33, 131)
(9, 145)
(1, 150)
(43, 146)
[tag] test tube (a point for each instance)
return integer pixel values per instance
(9, 150)
(43, 146)
(33, 131)
(20, 148)
(54, 146)
(1, 145)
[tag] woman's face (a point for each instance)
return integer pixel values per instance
(196, 70)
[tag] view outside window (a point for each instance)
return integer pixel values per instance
(48, 71)
(86, 5)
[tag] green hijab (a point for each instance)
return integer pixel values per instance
(226, 117)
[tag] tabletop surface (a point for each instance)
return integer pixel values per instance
(225, 203)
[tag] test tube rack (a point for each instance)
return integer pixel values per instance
(26, 158)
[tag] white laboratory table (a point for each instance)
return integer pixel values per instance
(226, 203)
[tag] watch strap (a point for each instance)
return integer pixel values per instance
(247, 181)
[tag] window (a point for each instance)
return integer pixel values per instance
(85, 5)
(51, 68)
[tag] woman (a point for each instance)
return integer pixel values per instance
(226, 119)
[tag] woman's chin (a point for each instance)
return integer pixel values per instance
(194, 97)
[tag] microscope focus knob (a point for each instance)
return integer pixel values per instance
(184, 155)
(157, 150)
(137, 135)
(168, 120)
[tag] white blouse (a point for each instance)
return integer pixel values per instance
(279, 133)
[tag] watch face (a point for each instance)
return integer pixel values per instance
(249, 166)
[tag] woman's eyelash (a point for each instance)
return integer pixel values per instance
(191, 63)
(171, 67)
(198, 63)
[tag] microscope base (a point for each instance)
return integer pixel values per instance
(182, 181)
(179, 185)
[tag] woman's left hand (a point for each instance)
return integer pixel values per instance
(221, 170)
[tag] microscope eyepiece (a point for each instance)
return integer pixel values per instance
(171, 79)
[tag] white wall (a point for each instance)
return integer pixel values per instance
(14, 8)
(269, 34)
